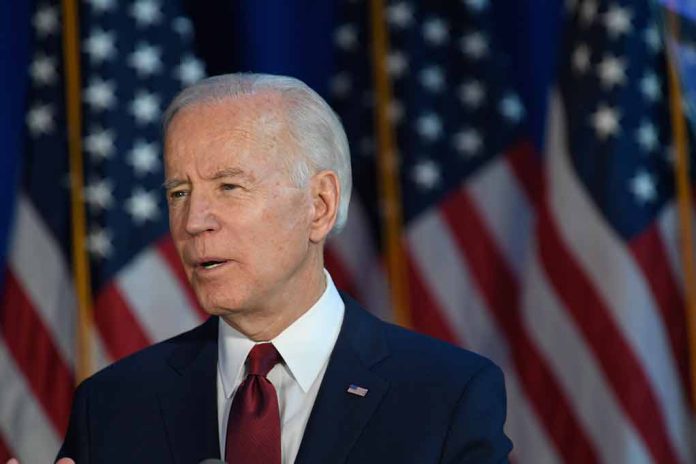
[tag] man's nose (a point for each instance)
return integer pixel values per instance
(201, 215)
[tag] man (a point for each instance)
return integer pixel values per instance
(257, 175)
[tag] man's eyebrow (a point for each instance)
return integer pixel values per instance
(229, 172)
(170, 184)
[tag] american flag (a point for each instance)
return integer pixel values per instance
(134, 58)
(561, 264)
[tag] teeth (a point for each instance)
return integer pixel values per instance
(211, 265)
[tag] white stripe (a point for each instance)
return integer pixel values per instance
(593, 400)
(445, 273)
(24, 427)
(602, 255)
(354, 248)
(505, 208)
(155, 296)
(668, 223)
(37, 263)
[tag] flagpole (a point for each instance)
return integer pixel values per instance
(80, 261)
(684, 195)
(388, 171)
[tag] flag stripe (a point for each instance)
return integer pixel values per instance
(501, 292)
(168, 252)
(550, 325)
(651, 255)
(5, 452)
(596, 265)
(120, 331)
(155, 296)
(429, 319)
(22, 417)
(618, 361)
(40, 268)
(32, 347)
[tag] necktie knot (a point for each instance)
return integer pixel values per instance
(261, 359)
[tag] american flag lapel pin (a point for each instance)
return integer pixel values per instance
(357, 390)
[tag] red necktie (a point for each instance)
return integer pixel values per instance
(253, 428)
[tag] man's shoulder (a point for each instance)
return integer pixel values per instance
(413, 355)
(157, 360)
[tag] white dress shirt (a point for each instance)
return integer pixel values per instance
(305, 347)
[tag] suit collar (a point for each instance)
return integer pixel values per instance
(338, 417)
(189, 403)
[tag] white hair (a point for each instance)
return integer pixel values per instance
(316, 129)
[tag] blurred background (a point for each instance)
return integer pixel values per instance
(521, 188)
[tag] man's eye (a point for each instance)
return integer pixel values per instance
(229, 186)
(177, 194)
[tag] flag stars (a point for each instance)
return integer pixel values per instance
(101, 6)
(145, 107)
(144, 157)
(472, 94)
(612, 72)
(650, 87)
(189, 71)
(642, 185)
(426, 174)
(142, 206)
(618, 21)
(100, 45)
(474, 45)
(468, 142)
(435, 31)
(346, 37)
(46, 20)
(652, 38)
(588, 12)
(511, 108)
(581, 58)
(146, 12)
(432, 79)
(182, 26)
(429, 126)
(98, 194)
(100, 243)
(646, 136)
(605, 121)
(40, 119)
(146, 59)
(397, 64)
(100, 94)
(400, 15)
(476, 6)
(43, 69)
(100, 143)
(340, 85)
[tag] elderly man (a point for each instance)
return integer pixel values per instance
(287, 369)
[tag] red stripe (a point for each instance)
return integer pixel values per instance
(500, 290)
(5, 452)
(620, 365)
(525, 163)
(426, 315)
(119, 329)
(339, 272)
(32, 347)
(650, 253)
(166, 249)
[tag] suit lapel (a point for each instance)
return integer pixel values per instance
(189, 401)
(338, 417)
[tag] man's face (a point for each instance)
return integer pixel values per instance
(240, 225)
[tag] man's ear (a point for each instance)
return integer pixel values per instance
(326, 191)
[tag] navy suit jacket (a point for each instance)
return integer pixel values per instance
(427, 402)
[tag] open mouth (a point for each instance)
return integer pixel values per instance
(212, 264)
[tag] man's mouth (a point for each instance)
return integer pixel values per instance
(212, 263)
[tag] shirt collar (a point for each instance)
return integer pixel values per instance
(305, 345)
